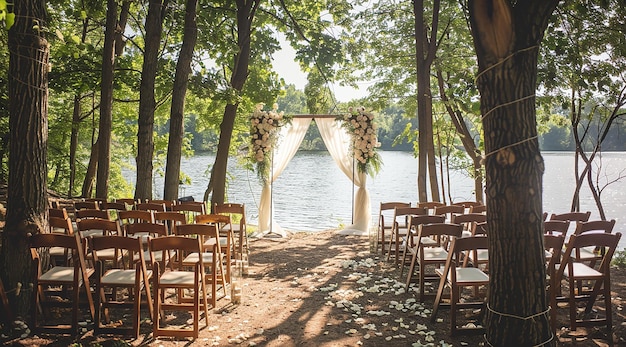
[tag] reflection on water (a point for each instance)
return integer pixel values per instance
(313, 194)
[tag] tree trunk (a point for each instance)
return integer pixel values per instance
(120, 40)
(245, 13)
(90, 174)
(106, 102)
(466, 138)
(27, 199)
(506, 39)
(74, 144)
(147, 103)
(177, 119)
(424, 54)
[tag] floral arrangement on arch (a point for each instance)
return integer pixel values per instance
(264, 130)
(363, 130)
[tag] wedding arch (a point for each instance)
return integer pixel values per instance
(338, 142)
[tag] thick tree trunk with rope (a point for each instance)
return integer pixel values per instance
(507, 38)
(177, 117)
(27, 199)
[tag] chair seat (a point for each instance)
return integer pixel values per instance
(106, 254)
(588, 254)
(211, 242)
(58, 274)
(61, 275)
(582, 271)
(86, 233)
(121, 277)
(428, 241)
(193, 258)
(177, 278)
(481, 254)
(435, 253)
(57, 251)
(470, 276)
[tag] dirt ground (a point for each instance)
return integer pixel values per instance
(328, 289)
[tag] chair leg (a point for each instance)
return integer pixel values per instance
(572, 305)
(438, 297)
(453, 302)
(411, 269)
(137, 310)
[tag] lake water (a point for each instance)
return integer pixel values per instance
(312, 194)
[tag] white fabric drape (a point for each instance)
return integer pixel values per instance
(337, 141)
(291, 135)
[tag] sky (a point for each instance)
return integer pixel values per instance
(289, 70)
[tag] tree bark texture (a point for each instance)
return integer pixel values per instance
(506, 39)
(106, 102)
(147, 103)
(27, 199)
(245, 13)
(177, 118)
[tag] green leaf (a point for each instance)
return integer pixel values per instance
(83, 14)
(75, 38)
(10, 20)
(3, 5)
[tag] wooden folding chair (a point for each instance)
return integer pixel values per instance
(400, 229)
(134, 277)
(431, 254)
(144, 231)
(227, 238)
(171, 219)
(553, 247)
(129, 202)
(573, 271)
(58, 212)
(468, 221)
(386, 211)
(92, 213)
(457, 277)
(150, 206)
(211, 256)
(478, 209)
(449, 210)
(411, 246)
(167, 203)
(113, 208)
(430, 205)
(190, 209)
(60, 255)
(94, 227)
(175, 276)
(135, 216)
(90, 205)
(65, 282)
(593, 254)
(236, 212)
(555, 227)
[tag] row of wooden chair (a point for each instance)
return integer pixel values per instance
(463, 260)
(166, 265)
(393, 220)
(123, 252)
